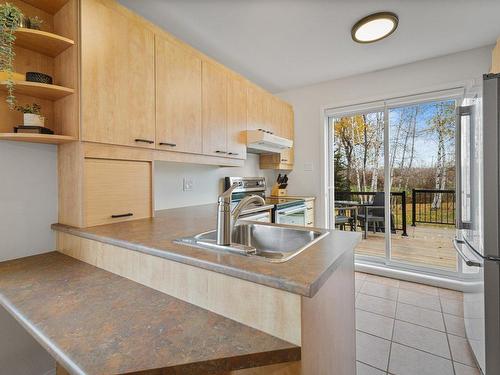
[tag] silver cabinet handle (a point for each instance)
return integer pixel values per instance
(220, 152)
(458, 247)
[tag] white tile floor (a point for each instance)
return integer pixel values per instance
(405, 328)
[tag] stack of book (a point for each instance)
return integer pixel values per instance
(32, 130)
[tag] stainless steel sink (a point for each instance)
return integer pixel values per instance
(270, 242)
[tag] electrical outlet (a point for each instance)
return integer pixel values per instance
(187, 184)
(308, 167)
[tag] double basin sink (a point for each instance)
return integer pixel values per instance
(270, 242)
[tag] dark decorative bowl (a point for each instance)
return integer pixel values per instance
(38, 77)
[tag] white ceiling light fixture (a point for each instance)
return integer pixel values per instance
(374, 27)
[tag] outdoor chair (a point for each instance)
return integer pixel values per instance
(345, 216)
(375, 213)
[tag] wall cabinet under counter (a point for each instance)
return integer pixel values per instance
(95, 191)
(116, 190)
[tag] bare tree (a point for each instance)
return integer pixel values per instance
(443, 124)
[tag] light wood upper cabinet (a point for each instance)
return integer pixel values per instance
(178, 98)
(287, 131)
(117, 75)
(284, 121)
(214, 109)
(495, 58)
(255, 110)
(236, 118)
(272, 114)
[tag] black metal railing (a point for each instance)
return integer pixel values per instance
(398, 205)
(433, 206)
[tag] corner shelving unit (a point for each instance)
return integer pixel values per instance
(39, 90)
(41, 41)
(53, 139)
(49, 6)
(52, 51)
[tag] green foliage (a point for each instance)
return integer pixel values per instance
(340, 173)
(29, 108)
(10, 16)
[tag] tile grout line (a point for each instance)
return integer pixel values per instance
(411, 347)
(371, 366)
(447, 338)
(393, 329)
(397, 301)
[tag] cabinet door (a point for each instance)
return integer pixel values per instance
(272, 114)
(236, 118)
(214, 110)
(116, 190)
(287, 131)
(117, 68)
(178, 98)
(255, 108)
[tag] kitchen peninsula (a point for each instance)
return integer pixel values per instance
(182, 309)
(307, 301)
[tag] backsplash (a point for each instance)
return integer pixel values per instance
(207, 181)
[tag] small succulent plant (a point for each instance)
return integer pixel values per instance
(29, 108)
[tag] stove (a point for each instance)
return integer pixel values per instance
(290, 211)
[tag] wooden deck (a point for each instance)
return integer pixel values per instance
(426, 245)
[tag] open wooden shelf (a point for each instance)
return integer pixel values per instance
(37, 138)
(49, 6)
(39, 90)
(41, 41)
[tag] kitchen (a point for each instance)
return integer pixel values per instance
(117, 165)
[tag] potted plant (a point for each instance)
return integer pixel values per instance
(35, 23)
(32, 115)
(10, 18)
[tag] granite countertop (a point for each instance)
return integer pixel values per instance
(303, 274)
(94, 322)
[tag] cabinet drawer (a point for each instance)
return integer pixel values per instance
(116, 190)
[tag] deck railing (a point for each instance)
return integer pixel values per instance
(433, 206)
(398, 205)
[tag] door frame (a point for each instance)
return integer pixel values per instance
(451, 92)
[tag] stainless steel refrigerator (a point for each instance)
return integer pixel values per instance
(478, 219)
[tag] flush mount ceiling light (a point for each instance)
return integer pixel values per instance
(374, 27)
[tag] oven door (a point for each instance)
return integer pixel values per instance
(263, 216)
(292, 215)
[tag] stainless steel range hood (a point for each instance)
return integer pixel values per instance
(262, 142)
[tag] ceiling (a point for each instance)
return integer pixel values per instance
(282, 44)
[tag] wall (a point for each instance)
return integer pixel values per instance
(411, 78)
(28, 205)
(207, 182)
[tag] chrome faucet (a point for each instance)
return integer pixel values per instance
(226, 218)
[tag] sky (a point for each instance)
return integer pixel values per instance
(426, 140)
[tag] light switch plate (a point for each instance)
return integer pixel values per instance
(308, 167)
(187, 184)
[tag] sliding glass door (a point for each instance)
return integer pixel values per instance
(392, 178)
(422, 175)
(358, 178)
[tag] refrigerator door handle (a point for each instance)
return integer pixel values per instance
(457, 243)
(464, 111)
